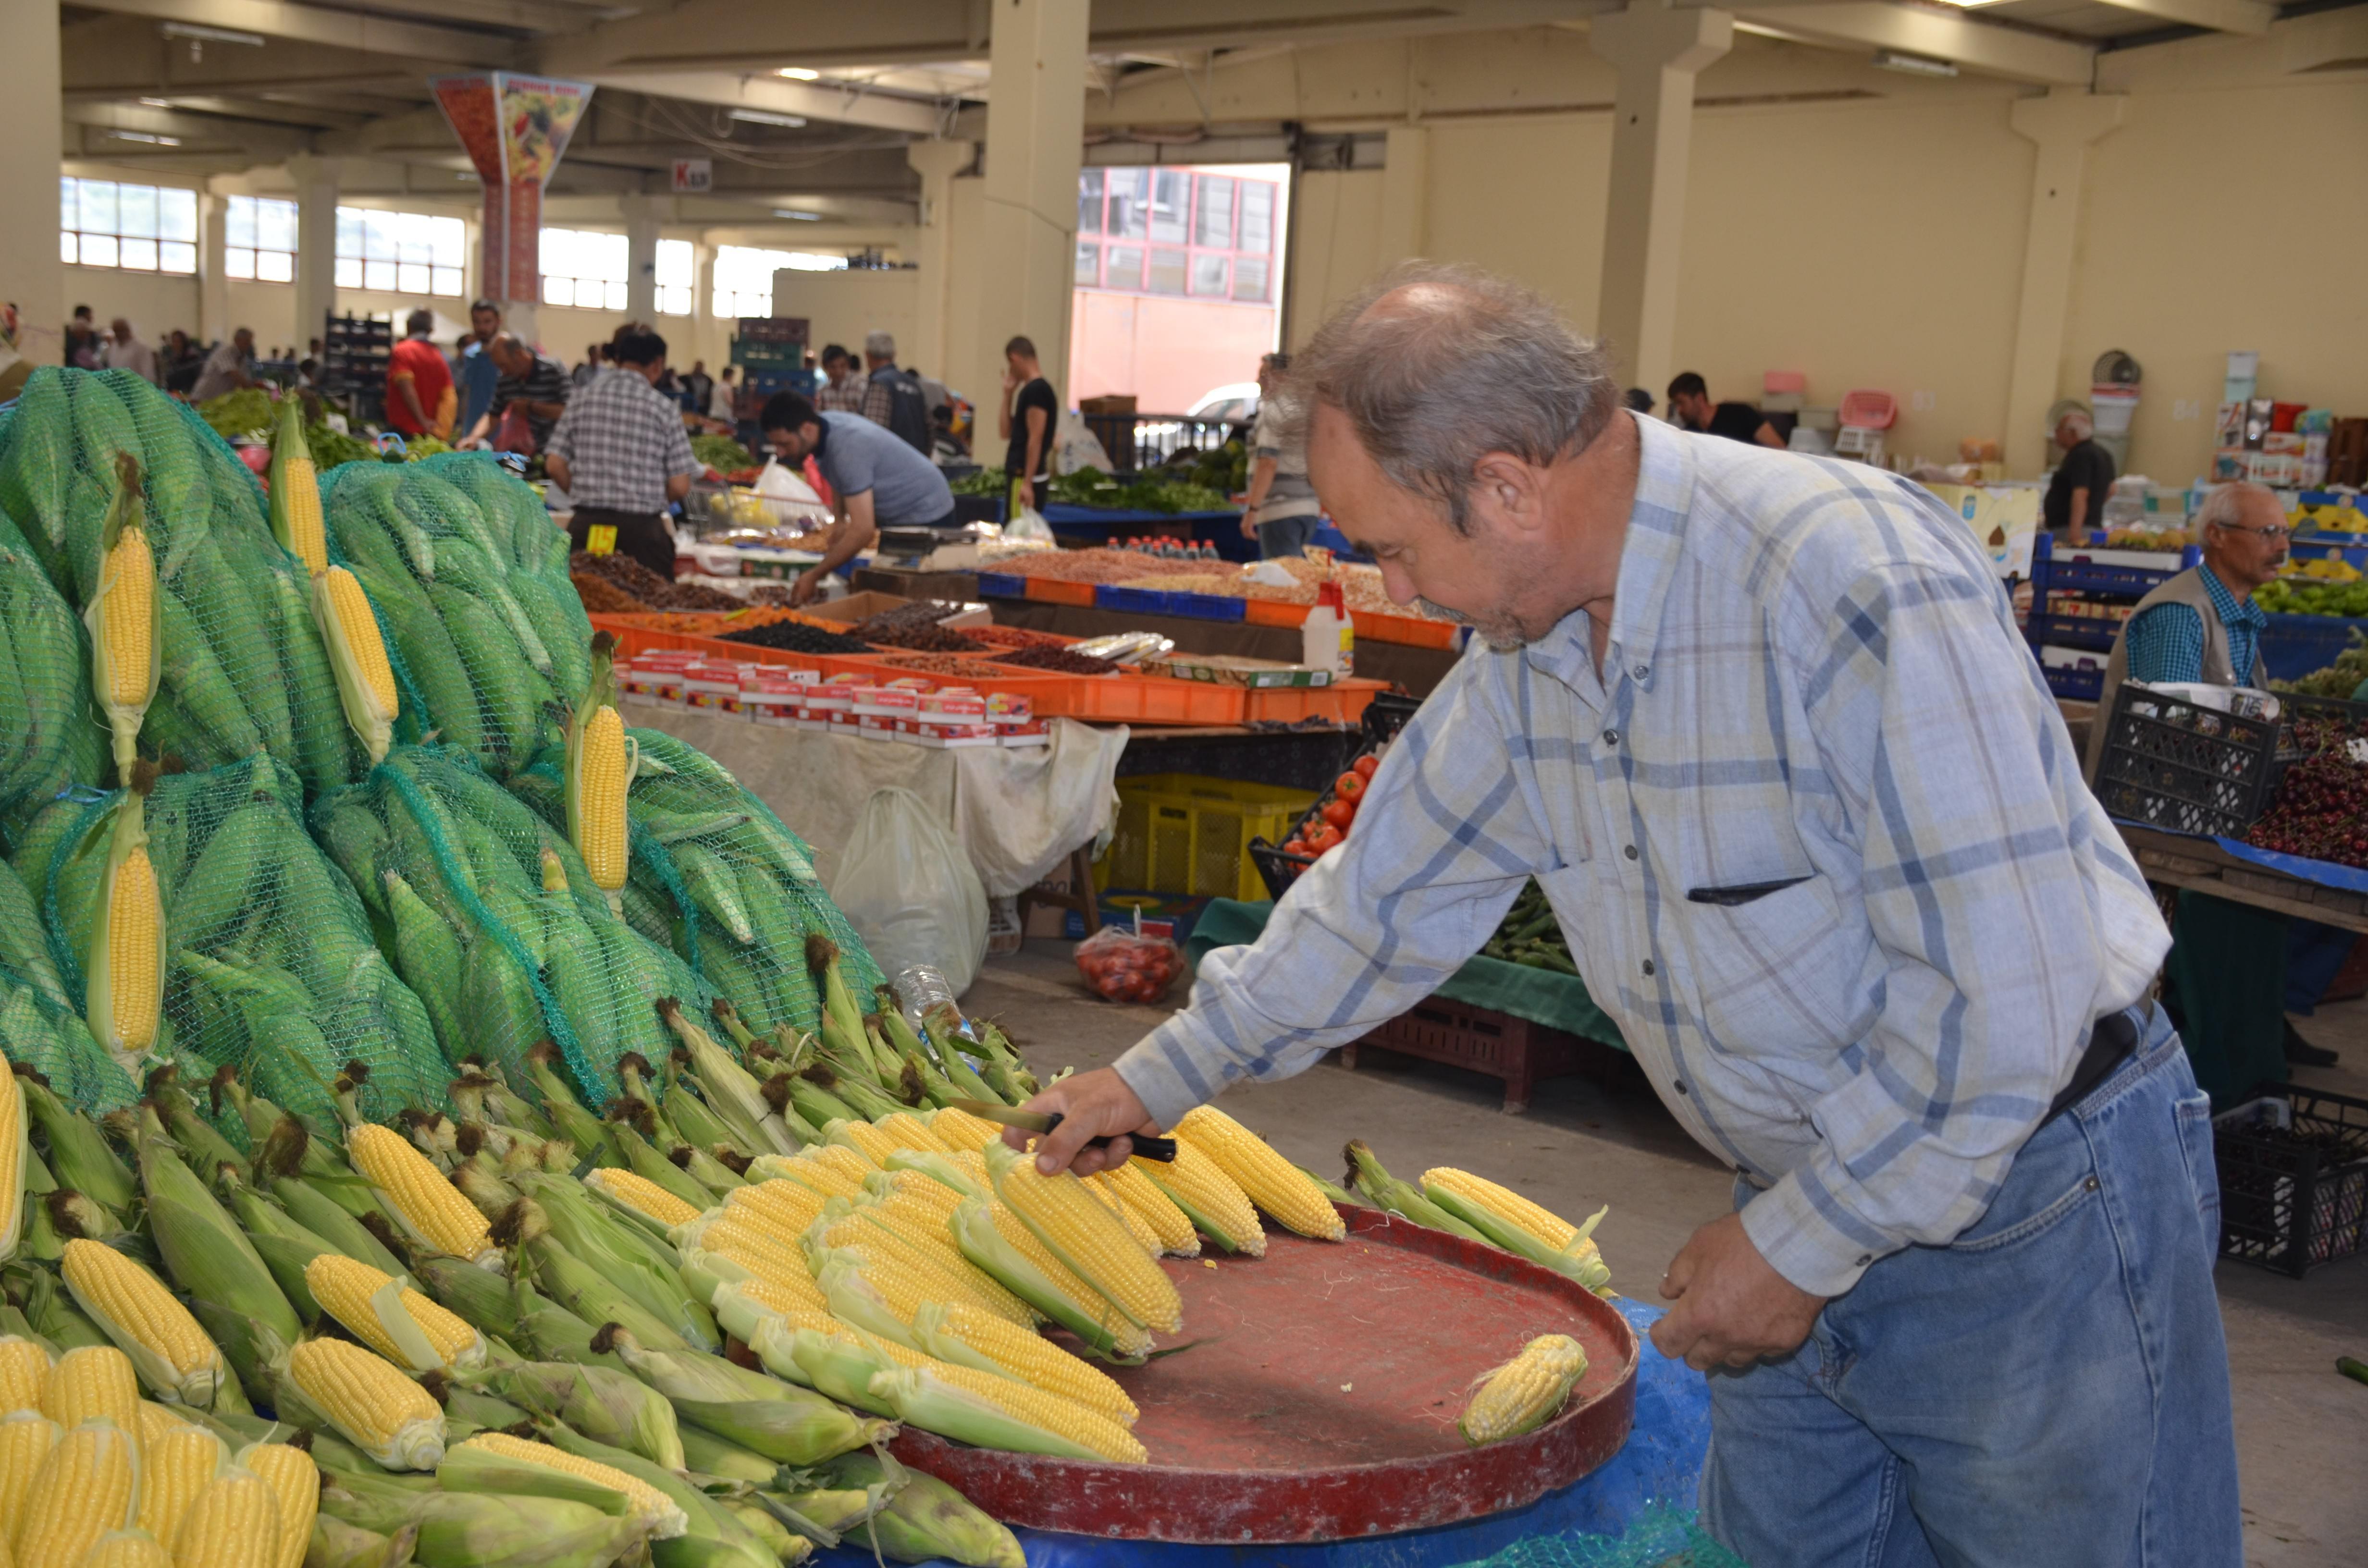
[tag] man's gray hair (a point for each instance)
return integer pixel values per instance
(2079, 424)
(1437, 365)
(2225, 505)
(880, 345)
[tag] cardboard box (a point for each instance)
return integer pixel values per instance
(708, 687)
(1232, 669)
(864, 606)
(938, 733)
(1112, 402)
(2005, 518)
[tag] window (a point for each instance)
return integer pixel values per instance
(259, 240)
(1212, 236)
(400, 252)
(583, 269)
(677, 285)
(743, 276)
(142, 228)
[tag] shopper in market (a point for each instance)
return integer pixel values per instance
(621, 454)
(418, 382)
(1690, 406)
(528, 400)
(475, 370)
(2076, 493)
(1766, 731)
(892, 397)
(124, 351)
(876, 481)
(228, 369)
(842, 390)
(1031, 411)
(1281, 510)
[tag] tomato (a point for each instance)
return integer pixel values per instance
(1340, 813)
(1364, 766)
(1349, 787)
(1322, 836)
(1294, 847)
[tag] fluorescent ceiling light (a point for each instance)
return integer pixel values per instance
(794, 212)
(158, 103)
(1913, 64)
(765, 117)
(151, 138)
(799, 74)
(212, 35)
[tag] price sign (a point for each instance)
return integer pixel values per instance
(601, 539)
(694, 176)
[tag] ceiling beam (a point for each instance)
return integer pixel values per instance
(1941, 34)
(773, 94)
(527, 16)
(267, 142)
(2220, 16)
(309, 117)
(341, 29)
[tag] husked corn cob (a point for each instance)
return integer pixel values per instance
(1079, 1229)
(601, 765)
(125, 995)
(761, 1257)
(630, 1191)
(1219, 1209)
(375, 1407)
(906, 1131)
(902, 1280)
(741, 1305)
(960, 1131)
(1273, 1183)
(235, 1523)
(422, 1201)
(647, 1502)
(1555, 1232)
(93, 1383)
(24, 1368)
(88, 1485)
(866, 1140)
(1129, 1338)
(172, 1469)
(1137, 1191)
(399, 1322)
(827, 1169)
(12, 1171)
(948, 1329)
(919, 1192)
(123, 615)
(128, 1548)
(779, 1202)
(296, 490)
(1136, 1226)
(1525, 1392)
(163, 1340)
(155, 1420)
(295, 1480)
(357, 656)
(964, 1405)
(26, 1438)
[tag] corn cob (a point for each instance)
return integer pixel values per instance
(16, 1133)
(156, 1420)
(357, 657)
(639, 1195)
(1075, 1228)
(828, 1178)
(26, 1438)
(24, 1368)
(1525, 1392)
(128, 1548)
(415, 1194)
(963, 1334)
(1170, 1224)
(906, 1130)
(1218, 1208)
(1273, 1183)
(917, 1189)
(129, 952)
(88, 1484)
(296, 490)
(1520, 1226)
(1136, 1225)
(235, 1523)
(997, 1413)
(1402, 1198)
(957, 1129)
(93, 1383)
(926, 1239)
(992, 1237)
(165, 1346)
(296, 1480)
(742, 1304)
(601, 762)
(1551, 1230)
(173, 1470)
(127, 657)
(371, 1404)
(786, 1204)
(874, 1144)
(393, 1319)
(645, 1504)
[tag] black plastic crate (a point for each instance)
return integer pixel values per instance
(1384, 717)
(2172, 764)
(2294, 1178)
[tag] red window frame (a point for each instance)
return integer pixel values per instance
(1102, 206)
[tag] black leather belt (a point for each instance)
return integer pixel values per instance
(2110, 1042)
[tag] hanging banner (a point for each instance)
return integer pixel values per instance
(515, 130)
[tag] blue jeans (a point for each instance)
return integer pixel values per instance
(1286, 536)
(2052, 1388)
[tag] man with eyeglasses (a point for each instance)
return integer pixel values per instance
(2234, 971)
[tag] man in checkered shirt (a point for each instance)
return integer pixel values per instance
(621, 455)
(1762, 727)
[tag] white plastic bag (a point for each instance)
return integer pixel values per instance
(1028, 524)
(905, 884)
(1075, 445)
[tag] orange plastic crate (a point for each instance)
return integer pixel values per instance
(1343, 702)
(1410, 631)
(1273, 612)
(1156, 700)
(1053, 592)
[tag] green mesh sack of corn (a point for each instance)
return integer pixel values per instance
(235, 661)
(49, 736)
(469, 579)
(198, 924)
(40, 1024)
(490, 916)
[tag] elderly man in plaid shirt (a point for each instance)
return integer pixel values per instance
(621, 454)
(1763, 728)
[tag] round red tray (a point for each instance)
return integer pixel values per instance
(1315, 1394)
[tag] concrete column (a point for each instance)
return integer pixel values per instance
(213, 285)
(1406, 195)
(704, 328)
(1658, 52)
(316, 242)
(31, 276)
(643, 215)
(1035, 142)
(936, 162)
(2062, 124)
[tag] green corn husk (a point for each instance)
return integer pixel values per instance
(691, 1115)
(481, 1094)
(554, 1334)
(609, 1406)
(938, 1168)
(764, 1529)
(921, 1400)
(741, 1317)
(924, 1520)
(1402, 1197)
(309, 1202)
(834, 1508)
(595, 1297)
(79, 1156)
(792, 1431)
(50, 1310)
(855, 1301)
(468, 1529)
(714, 1540)
(478, 1469)
(284, 1246)
(690, 1375)
(975, 1235)
(207, 1149)
(1578, 1261)
(336, 1544)
(704, 1453)
(231, 1288)
(731, 1092)
(810, 1095)
(705, 1169)
(476, 1410)
(484, 1300)
(840, 1366)
(650, 1165)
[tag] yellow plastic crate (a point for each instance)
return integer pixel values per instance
(1182, 834)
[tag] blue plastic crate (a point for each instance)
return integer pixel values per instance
(1002, 586)
(2075, 632)
(2075, 686)
(2294, 645)
(1157, 601)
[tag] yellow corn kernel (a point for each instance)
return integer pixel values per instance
(1555, 1232)
(930, 1236)
(128, 1548)
(133, 1305)
(235, 1523)
(781, 1202)
(422, 1201)
(297, 498)
(1195, 1183)
(1136, 1225)
(1052, 1412)
(174, 1468)
(647, 1502)
(906, 1131)
(12, 1172)
(26, 1438)
(126, 600)
(1138, 1192)
(1075, 1224)
(644, 1196)
(155, 1420)
(959, 1131)
(24, 1368)
(866, 1140)
(800, 1307)
(1525, 1392)
(378, 1410)
(358, 627)
(601, 791)
(92, 1381)
(1127, 1338)
(1029, 1357)
(767, 1260)
(295, 1480)
(135, 986)
(921, 1192)
(347, 1289)
(88, 1485)
(1273, 1183)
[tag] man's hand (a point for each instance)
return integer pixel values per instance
(1732, 1309)
(803, 591)
(1249, 522)
(1092, 1105)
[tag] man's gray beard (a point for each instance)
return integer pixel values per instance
(1502, 637)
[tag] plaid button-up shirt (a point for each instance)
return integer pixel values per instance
(622, 439)
(1817, 835)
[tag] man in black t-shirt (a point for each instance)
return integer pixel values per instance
(2075, 496)
(1030, 409)
(1690, 403)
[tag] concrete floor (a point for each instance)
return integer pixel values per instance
(1587, 1140)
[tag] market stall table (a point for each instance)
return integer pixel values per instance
(1103, 525)
(2311, 889)
(1419, 670)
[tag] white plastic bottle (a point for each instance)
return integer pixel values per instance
(1327, 639)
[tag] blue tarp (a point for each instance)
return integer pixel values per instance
(1651, 1479)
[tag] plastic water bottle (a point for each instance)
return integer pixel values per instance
(1327, 637)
